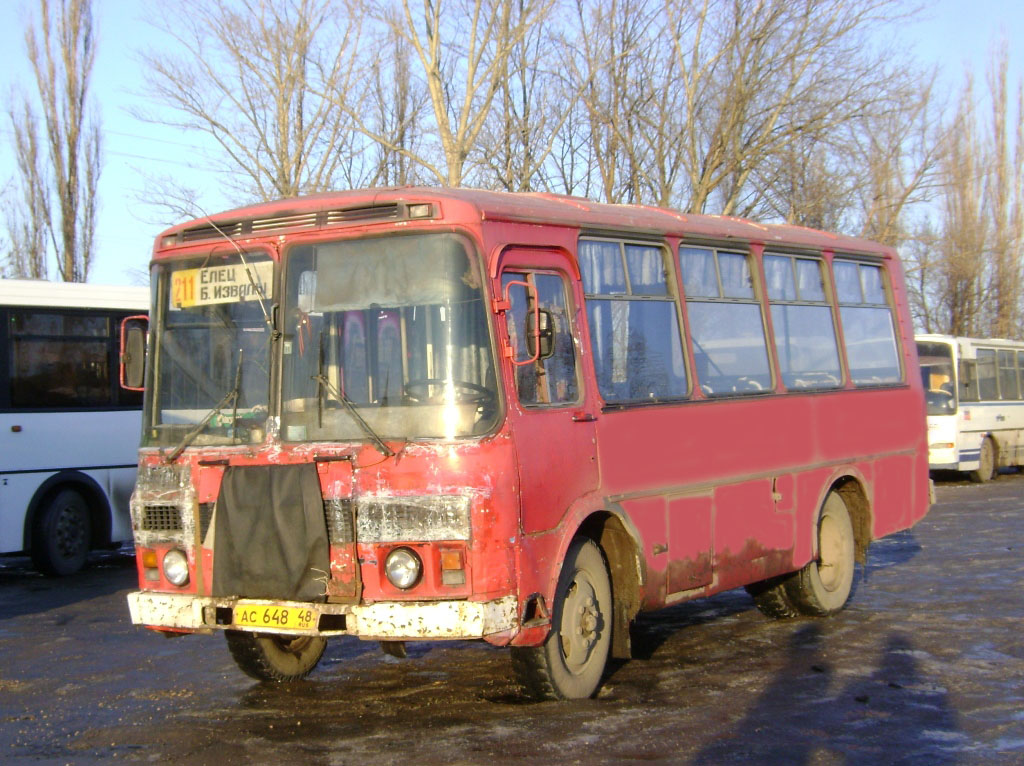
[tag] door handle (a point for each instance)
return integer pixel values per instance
(583, 417)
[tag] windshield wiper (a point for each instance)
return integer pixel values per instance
(384, 449)
(230, 396)
(323, 382)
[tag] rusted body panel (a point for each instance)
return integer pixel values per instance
(698, 495)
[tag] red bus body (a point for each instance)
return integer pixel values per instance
(684, 496)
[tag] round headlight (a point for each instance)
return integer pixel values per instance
(403, 568)
(176, 567)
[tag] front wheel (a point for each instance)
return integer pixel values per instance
(823, 586)
(273, 657)
(571, 662)
(61, 534)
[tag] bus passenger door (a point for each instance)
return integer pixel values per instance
(551, 413)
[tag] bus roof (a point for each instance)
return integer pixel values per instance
(960, 339)
(474, 205)
(37, 292)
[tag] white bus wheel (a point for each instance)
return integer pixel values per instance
(61, 534)
(986, 463)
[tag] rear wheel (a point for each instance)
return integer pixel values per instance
(571, 662)
(61, 534)
(273, 657)
(823, 586)
(987, 463)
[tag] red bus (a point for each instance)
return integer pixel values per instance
(448, 414)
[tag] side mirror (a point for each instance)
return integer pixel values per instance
(133, 352)
(542, 328)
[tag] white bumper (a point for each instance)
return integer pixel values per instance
(391, 620)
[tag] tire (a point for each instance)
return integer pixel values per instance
(987, 463)
(61, 534)
(823, 586)
(770, 596)
(571, 661)
(275, 658)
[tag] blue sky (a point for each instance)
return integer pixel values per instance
(954, 34)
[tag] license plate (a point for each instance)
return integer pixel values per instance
(278, 617)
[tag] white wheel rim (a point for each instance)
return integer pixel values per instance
(581, 623)
(832, 562)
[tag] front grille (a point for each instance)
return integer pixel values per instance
(301, 221)
(158, 517)
(210, 231)
(205, 517)
(371, 213)
(311, 220)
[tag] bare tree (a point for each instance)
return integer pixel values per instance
(614, 59)
(806, 183)
(57, 205)
(397, 108)
(27, 213)
(756, 76)
(462, 49)
(250, 74)
(897, 149)
(965, 229)
(1005, 201)
(532, 105)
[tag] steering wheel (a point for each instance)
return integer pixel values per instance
(418, 391)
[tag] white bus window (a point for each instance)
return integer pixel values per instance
(1008, 387)
(60, 360)
(988, 380)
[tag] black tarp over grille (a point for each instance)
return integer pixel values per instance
(270, 534)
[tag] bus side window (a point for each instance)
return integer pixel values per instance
(60, 359)
(552, 377)
(636, 344)
(967, 381)
(1008, 388)
(868, 330)
(988, 379)
(726, 327)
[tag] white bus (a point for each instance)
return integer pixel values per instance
(69, 433)
(975, 396)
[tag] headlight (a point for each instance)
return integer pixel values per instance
(403, 568)
(176, 567)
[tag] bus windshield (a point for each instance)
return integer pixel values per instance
(386, 338)
(937, 375)
(210, 372)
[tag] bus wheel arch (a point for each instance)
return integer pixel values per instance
(622, 554)
(54, 504)
(852, 491)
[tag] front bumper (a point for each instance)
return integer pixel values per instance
(386, 620)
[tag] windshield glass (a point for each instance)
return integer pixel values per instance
(936, 360)
(391, 331)
(211, 351)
